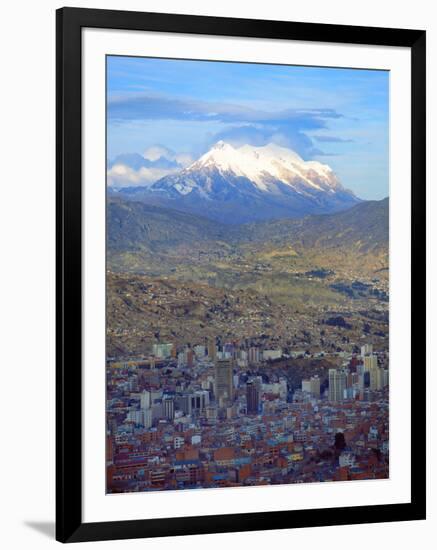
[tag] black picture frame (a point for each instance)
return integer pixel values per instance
(69, 525)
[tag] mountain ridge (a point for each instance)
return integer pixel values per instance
(136, 226)
(238, 185)
(306, 262)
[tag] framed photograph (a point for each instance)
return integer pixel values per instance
(240, 275)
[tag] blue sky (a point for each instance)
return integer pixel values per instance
(336, 116)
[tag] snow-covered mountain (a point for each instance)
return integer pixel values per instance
(249, 183)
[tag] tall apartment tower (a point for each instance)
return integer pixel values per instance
(189, 357)
(212, 350)
(337, 385)
(370, 362)
(315, 386)
(168, 408)
(377, 378)
(254, 355)
(223, 383)
(252, 398)
(146, 399)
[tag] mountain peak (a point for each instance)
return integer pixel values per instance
(221, 145)
(221, 154)
(270, 178)
(268, 163)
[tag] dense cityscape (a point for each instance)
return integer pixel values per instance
(217, 415)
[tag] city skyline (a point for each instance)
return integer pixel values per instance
(224, 415)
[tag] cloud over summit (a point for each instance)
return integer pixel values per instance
(243, 124)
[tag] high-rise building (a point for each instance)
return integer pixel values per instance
(183, 403)
(377, 378)
(136, 416)
(315, 386)
(367, 349)
(199, 400)
(254, 355)
(148, 418)
(212, 350)
(223, 387)
(252, 397)
(337, 385)
(189, 357)
(370, 362)
(193, 402)
(146, 399)
(157, 411)
(168, 407)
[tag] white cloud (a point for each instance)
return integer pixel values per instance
(125, 173)
(158, 151)
(121, 175)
